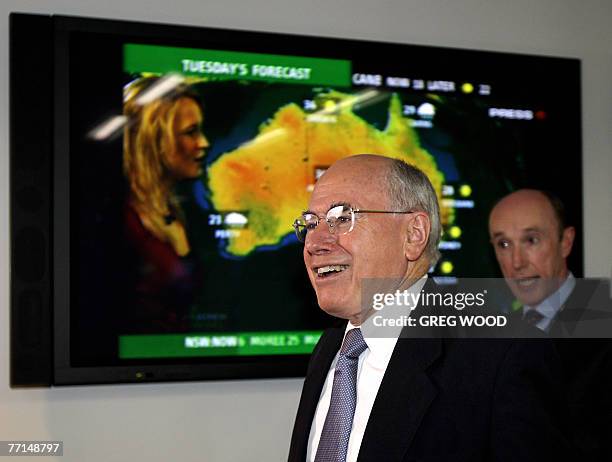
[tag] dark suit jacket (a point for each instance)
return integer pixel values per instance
(587, 366)
(452, 400)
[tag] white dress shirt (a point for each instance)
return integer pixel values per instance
(371, 369)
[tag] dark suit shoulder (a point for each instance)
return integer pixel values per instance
(529, 410)
(330, 341)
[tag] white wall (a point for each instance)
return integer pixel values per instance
(251, 420)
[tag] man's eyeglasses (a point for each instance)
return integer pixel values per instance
(340, 220)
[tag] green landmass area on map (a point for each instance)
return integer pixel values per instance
(271, 177)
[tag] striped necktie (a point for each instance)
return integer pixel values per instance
(333, 444)
(532, 317)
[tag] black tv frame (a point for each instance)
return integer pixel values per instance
(40, 333)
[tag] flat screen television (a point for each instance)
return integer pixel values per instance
(121, 131)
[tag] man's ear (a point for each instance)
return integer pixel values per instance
(567, 241)
(417, 235)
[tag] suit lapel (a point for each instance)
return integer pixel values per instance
(315, 378)
(402, 400)
(588, 303)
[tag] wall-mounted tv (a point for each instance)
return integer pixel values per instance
(156, 171)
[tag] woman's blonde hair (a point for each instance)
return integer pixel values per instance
(148, 139)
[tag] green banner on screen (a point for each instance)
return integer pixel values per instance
(218, 344)
(231, 65)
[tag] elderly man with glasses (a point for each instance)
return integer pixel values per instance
(394, 399)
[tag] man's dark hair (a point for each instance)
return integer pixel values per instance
(557, 205)
(559, 208)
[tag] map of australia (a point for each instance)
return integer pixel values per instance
(270, 178)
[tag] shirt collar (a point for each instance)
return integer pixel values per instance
(381, 347)
(549, 307)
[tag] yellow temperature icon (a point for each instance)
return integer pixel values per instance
(446, 267)
(454, 232)
(465, 190)
(467, 88)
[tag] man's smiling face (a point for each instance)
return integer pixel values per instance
(373, 249)
(531, 253)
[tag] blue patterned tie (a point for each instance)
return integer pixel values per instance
(334, 440)
(532, 317)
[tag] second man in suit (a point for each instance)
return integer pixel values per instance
(532, 241)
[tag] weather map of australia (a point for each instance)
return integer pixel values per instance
(271, 176)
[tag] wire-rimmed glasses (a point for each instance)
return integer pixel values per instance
(340, 220)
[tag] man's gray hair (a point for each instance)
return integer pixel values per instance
(409, 188)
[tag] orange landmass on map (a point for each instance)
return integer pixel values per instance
(270, 178)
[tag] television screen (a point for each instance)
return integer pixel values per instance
(182, 156)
